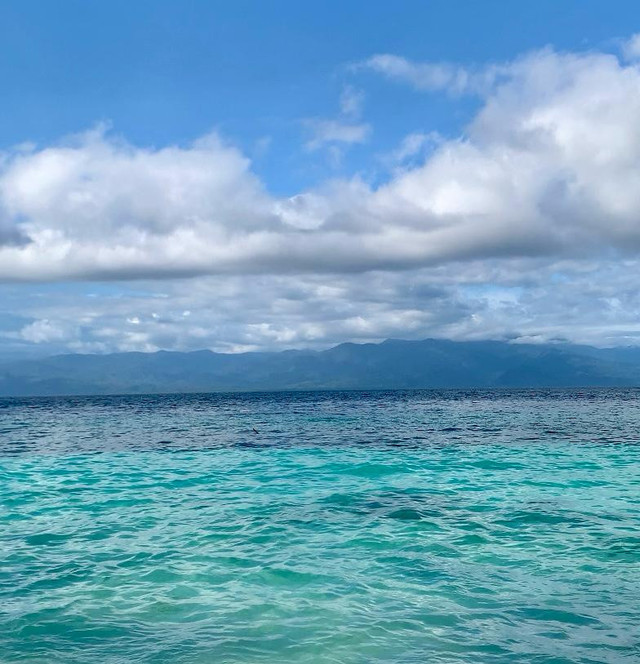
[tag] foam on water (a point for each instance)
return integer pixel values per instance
(383, 527)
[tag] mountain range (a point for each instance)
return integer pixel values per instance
(392, 364)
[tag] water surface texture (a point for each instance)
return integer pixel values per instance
(352, 528)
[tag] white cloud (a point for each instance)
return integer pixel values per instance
(44, 331)
(549, 169)
(423, 76)
(411, 145)
(516, 299)
(434, 76)
(351, 102)
(413, 149)
(551, 165)
(631, 48)
(335, 134)
(335, 131)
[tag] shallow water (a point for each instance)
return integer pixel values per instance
(406, 527)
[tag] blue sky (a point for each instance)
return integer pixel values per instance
(164, 71)
(315, 132)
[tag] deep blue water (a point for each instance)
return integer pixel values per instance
(382, 527)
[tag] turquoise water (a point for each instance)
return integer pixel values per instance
(352, 528)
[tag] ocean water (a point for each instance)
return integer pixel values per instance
(396, 527)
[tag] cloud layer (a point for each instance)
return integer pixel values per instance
(549, 166)
(491, 234)
(528, 300)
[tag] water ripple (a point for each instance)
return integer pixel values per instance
(354, 528)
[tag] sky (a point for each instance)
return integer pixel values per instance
(186, 174)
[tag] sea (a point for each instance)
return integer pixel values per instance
(493, 526)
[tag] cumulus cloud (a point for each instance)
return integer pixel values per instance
(44, 331)
(526, 227)
(549, 167)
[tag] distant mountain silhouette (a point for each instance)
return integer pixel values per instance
(392, 364)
